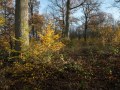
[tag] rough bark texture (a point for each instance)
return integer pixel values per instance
(21, 25)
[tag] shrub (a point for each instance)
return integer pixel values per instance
(48, 43)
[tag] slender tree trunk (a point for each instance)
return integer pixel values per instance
(63, 22)
(31, 12)
(5, 15)
(85, 31)
(21, 25)
(36, 35)
(33, 31)
(67, 18)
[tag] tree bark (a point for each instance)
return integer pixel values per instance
(21, 25)
(85, 31)
(67, 18)
(31, 12)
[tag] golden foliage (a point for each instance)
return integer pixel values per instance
(107, 35)
(48, 42)
(116, 38)
(1, 21)
(51, 41)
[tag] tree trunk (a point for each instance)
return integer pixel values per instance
(67, 18)
(21, 25)
(85, 31)
(63, 23)
(31, 12)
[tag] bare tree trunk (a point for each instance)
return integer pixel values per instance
(63, 23)
(67, 18)
(31, 12)
(21, 25)
(85, 31)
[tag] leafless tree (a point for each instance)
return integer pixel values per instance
(62, 9)
(89, 7)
